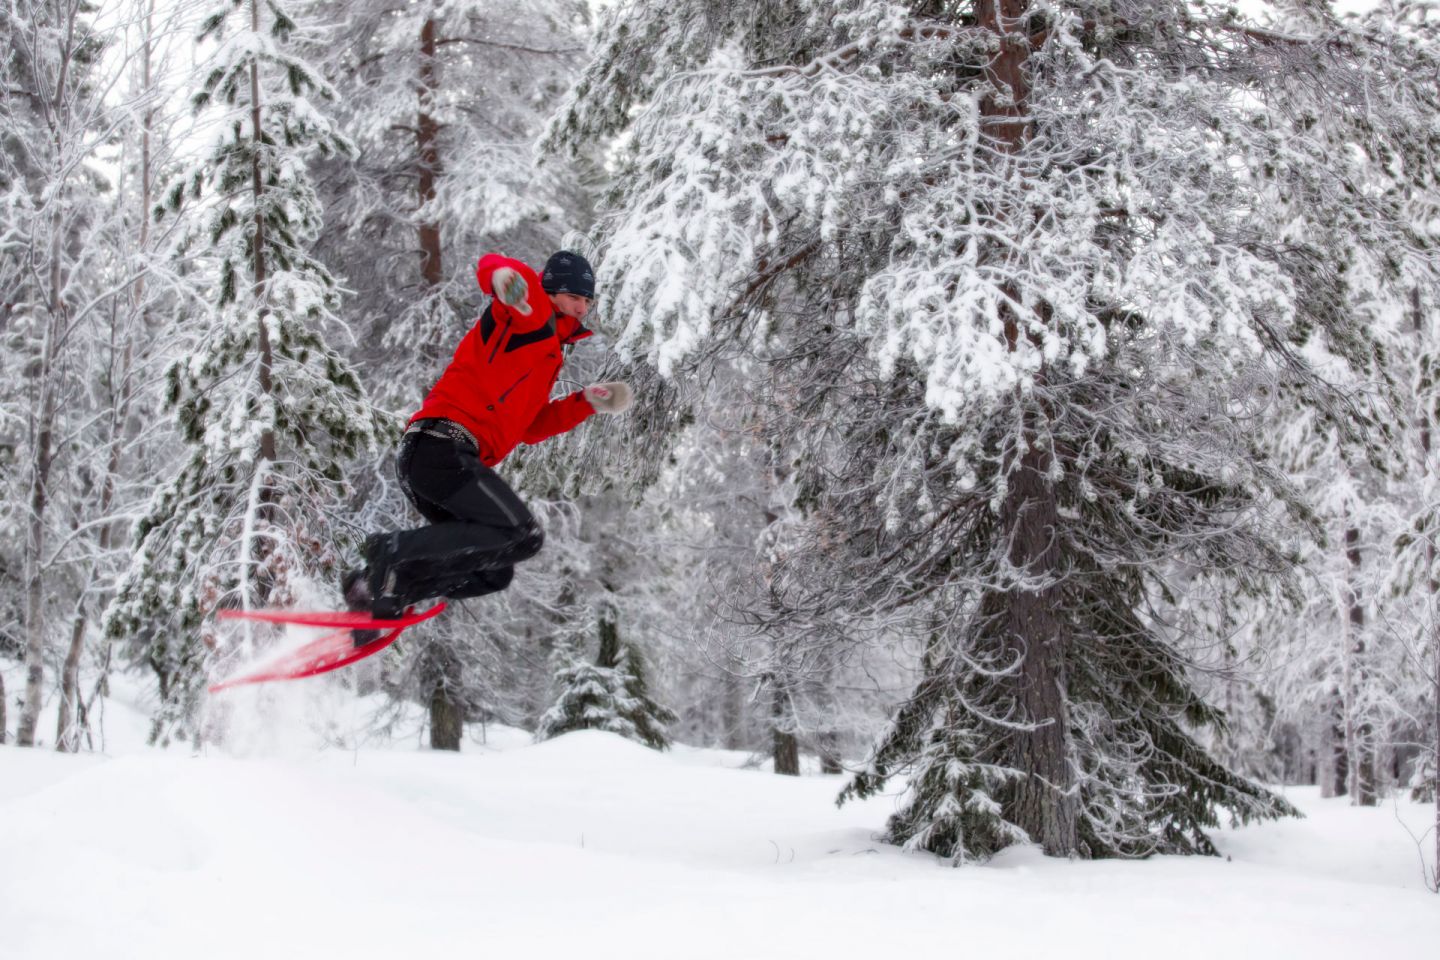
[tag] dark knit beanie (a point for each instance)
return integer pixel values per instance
(567, 272)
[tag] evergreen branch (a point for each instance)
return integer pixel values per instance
(520, 48)
(838, 58)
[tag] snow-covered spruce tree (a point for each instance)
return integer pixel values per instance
(610, 694)
(269, 409)
(1023, 239)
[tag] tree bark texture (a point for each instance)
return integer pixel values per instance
(1334, 761)
(40, 465)
(1003, 110)
(828, 746)
(732, 711)
(427, 148)
(1432, 580)
(267, 359)
(254, 548)
(785, 749)
(42, 459)
(1044, 804)
(1359, 733)
(67, 729)
(447, 719)
(609, 656)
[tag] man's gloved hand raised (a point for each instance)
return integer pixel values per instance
(511, 290)
(612, 397)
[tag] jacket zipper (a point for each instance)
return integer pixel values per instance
(499, 340)
(513, 386)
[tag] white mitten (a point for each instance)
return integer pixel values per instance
(511, 290)
(612, 397)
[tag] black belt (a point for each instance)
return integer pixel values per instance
(445, 430)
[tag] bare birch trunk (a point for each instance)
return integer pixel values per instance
(35, 584)
(42, 459)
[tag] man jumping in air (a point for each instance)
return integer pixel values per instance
(494, 394)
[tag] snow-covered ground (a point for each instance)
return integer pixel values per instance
(590, 846)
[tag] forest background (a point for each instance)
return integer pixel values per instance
(1035, 398)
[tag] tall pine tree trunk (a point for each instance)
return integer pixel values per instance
(446, 711)
(1043, 803)
(267, 359)
(261, 489)
(427, 148)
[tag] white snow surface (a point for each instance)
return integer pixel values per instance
(592, 846)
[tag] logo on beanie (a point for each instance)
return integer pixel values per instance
(567, 272)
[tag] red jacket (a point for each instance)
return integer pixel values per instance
(498, 384)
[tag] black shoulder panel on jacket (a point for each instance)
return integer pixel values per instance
(518, 340)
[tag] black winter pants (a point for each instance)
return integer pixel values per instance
(479, 529)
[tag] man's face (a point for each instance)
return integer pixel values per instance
(571, 304)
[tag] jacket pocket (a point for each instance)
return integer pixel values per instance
(523, 377)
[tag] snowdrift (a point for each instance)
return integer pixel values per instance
(592, 846)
